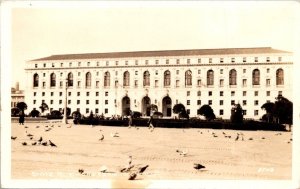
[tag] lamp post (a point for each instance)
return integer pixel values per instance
(65, 119)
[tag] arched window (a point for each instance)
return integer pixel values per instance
(70, 79)
(146, 81)
(167, 78)
(232, 77)
(279, 77)
(88, 78)
(210, 77)
(106, 79)
(188, 78)
(255, 77)
(126, 78)
(52, 80)
(35, 80)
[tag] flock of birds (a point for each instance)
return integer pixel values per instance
(132, 170)
(37, 141)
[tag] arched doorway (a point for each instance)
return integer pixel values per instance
(125, 105)
(167, 106)
(146, 106)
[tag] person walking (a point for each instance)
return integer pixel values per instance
(150, 122)
(21, 118)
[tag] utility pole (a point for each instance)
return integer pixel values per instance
(65, 119)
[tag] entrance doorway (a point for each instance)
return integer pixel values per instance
(167, 106)
(146, 106)
(126, 105)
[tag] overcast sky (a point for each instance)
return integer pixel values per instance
(38, 31)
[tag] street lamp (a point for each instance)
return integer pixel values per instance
(65, 119)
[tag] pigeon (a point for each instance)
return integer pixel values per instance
(132, 176)
(46, 126)
(250, 138)
(40, 140)
(198, 166)
(52, 144)
(24, 143)
(224, 133)
(29, 135)
(142, 169)
(102, 138)
(31, 138)
(103, 169)
(263, 138)
(237, 137)
(58, 126)
(13, 138)
(278, 134)
(129, 160)
(33, 144)
(80, 171)
(37, 126)
(25, 127)
(45, 143)
(52, 125)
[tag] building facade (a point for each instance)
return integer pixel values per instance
(111, 83)
(17, 96)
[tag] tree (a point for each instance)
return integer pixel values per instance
(153, 108)
(22, 106)
(15, 111)
(76, 115)
(180, 110)
(269, 108)
(68, 111)
(44, 107)
(237, 114)
(34, 113)
(207, 111)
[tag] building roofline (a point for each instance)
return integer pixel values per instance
(186, 52)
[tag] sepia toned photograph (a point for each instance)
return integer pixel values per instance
(149, 94)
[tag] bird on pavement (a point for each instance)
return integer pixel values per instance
(37, 126)
(33, 144)
(24, 143)
(237, 136)
(198, 166)
(103, 169)
(40, 140)
(142, 169)
(45, 143)
(29, 135)
(102, 137)
(13, 138)
(132, 176)
(52, 144)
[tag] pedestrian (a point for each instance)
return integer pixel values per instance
(130, 120)
(150, 124)
(21, 118)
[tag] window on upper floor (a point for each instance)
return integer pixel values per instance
(279, 77)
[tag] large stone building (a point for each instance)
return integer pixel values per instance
(110, 83)
(17, 96)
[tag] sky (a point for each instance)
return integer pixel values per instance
(39, 30)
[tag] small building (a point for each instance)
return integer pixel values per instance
(17, 95)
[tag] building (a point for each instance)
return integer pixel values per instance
(17, 95)
(111, 83)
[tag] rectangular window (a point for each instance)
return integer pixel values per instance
(146, 62)
(156, 61)
(210, 60)
(79, 64)
(156, 83)
(221, 102)
(97, 102)
(156, 72)
(244, 70)
(221, 82)
(44, 74)
(60, 101)
(107, 63)
(136, 62)
(87, 93)
(177, 61)
(188, 111)
(87, 110)
(44, 84)
(255, 102)
(60, 93)
(268, 59)
(126, 62)
(135, 83)
(232, 102)
(117, 63)
(244, 59)
(209, 102)
(97, 64)
(116, 83)
(69, 101)
(167, 61)
(256, 59)
(198, 102)
(60, 84)
(268, 82)
(78, 84)
(78, 73)
(279, 92)
(244, 82)
(34, 101)
(188, 102)
(268, 70)
(221, 60)
(244, 93)
(43, 101)
(97, 93)
(136, 72)
(199, 71)
(78, 101)
(116, 73)
(106, 110)
(35, 65)
(177, 72)
(78, 93)
(97, 73)
(96, 110)
(244, 102)
(232, 60)
(188, 61)
(199, 60)
(279, 59)
(188, 93)
(221, 112)
(232, 93)
(221, 93)
(106, 93)
(70, 64)
(52, 93)
(199, 93)
(199, 82)
(209, 93)
(255, 93)
(44, 65)
(61, 64)
(221, 71)
(256, 112)
(106, 101)
(43, 93)
(34, 93)
(69, 93)
(87, 101)
(244, 112)
(97, 84)
(268, 93)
